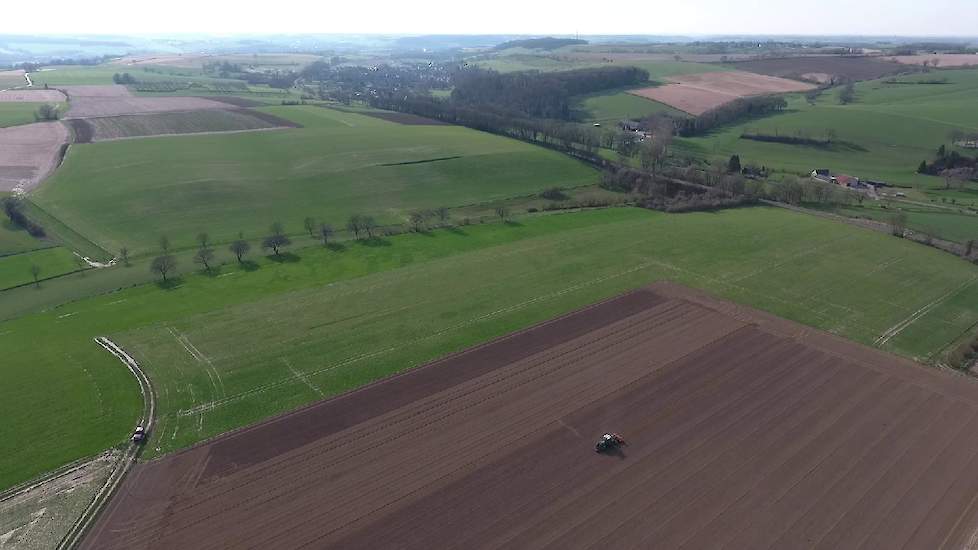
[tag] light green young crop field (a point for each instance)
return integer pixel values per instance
(338, 164)
(227, 350)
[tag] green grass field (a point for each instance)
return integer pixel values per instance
(227, 350)
(952, 224)
(14, 113)
(898, 125)
(16, 269)
(611, 107)
(338, 164)
(14, 240)
(75, 75)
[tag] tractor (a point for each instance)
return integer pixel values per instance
(139, 434)
(609, 442)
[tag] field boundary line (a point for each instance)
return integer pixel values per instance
(79, 529)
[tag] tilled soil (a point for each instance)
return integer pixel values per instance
(848, 68)
(99, 106)
(699, 93)
(743, 429)
(29, 153)
(31, 95)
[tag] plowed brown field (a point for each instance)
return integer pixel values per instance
(745, 431)
(698, 93)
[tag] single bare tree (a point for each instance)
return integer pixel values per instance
(36, 273)
(204, 257)
(444, 215)
(163, 265)
(240, 248)
(325, 232)
(310, 225)
(277, 240)
(124, 254)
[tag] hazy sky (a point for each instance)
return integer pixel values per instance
(821, 17)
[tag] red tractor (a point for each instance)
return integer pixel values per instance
(609, 442)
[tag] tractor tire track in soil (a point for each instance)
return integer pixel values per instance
(745, 431)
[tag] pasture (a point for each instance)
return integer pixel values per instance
(893, 126)
(15, 269)
(15, 114)
(338, 164)
(611, 107)
(336, 319)
(14, 240)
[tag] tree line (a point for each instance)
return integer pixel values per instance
(535, 94)
(738, 109)
(13, 207)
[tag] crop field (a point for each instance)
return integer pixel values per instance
(893, 126)
(113, 106)
(31, 95)
(53, 261)
(338, 164)
(743, 429)
(10, 79)
(75, 75)
(28, 153)
(337, 319)
(196, 61)
(852, 68)
(191, 122)
(943, 60)
(698, 93)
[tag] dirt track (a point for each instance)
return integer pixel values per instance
(744, 430)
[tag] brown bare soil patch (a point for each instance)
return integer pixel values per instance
(87, 107)
(744, 431)
(405, 118)
(698, 93)
(850, 68)
(10, 79)
(634, 57)
(97, 91)
(944, 59)
(32, 95)
(29, 153)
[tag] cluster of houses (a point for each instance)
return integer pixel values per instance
(843, 180)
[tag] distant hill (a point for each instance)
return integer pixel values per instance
(548, 43)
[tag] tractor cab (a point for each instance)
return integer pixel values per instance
(609, 442)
